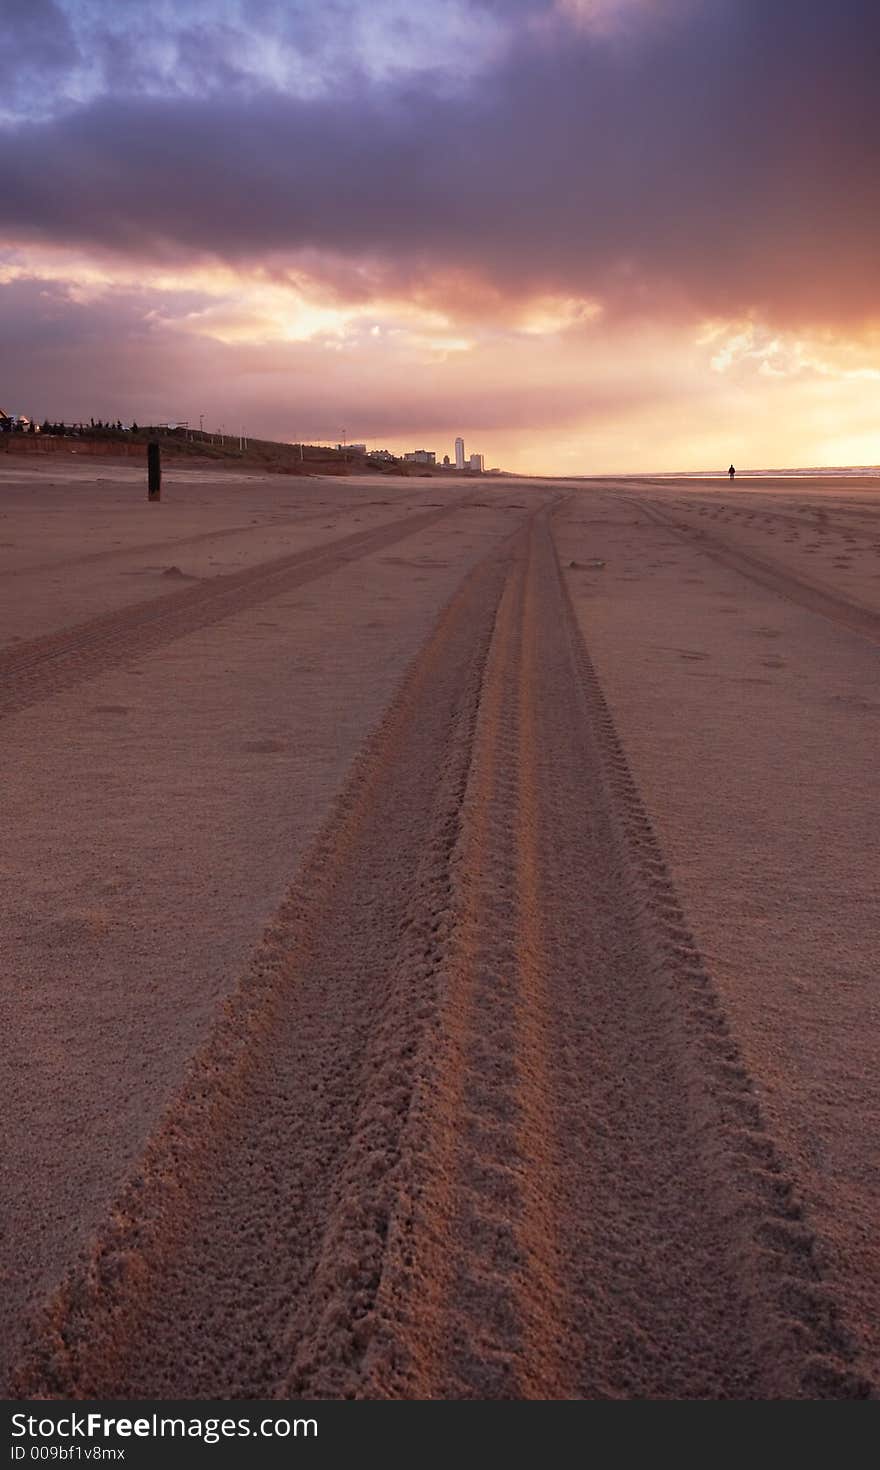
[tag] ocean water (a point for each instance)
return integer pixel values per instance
(843, 472)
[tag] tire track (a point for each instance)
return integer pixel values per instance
(841, 610)
(739, 1199)
(602, 1213)
(481, 1242)
(816, 518)
(36, 670)
(90, 558)
(474, 1125)
(146, 548)
(247, 1250)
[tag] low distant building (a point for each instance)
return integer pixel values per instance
(384, 455)
(476, 463)
(352, 448)
(421, 456)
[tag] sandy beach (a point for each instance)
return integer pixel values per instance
(440, 936)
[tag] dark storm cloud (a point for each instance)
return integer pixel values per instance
(726, 160)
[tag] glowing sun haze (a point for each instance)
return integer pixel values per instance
(588, 235)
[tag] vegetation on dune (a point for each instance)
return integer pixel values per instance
(268, 455)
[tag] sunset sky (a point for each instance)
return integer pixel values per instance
(588, 235)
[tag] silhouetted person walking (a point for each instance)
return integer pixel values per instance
(731, 472)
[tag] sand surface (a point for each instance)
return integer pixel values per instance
(439, 937)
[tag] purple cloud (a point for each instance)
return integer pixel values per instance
(722, 162)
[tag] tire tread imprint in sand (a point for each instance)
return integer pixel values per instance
(33, 671)
(475, 1125)
(278, 520)
(256, 1167)
(846, 612)
(802, 1345)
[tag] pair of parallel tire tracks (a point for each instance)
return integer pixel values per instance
(473, 1125)
(809, 521)
(42, 667)
(279, 521)
(846, 612)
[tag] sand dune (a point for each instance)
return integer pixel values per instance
(442, 947)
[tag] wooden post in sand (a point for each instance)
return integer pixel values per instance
(154, 471)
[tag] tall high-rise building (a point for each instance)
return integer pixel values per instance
(459, 454)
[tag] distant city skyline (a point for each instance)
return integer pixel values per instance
(641, 234)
